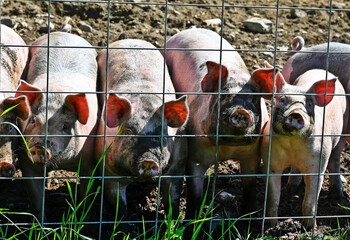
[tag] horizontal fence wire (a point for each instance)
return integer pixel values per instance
(277, 6)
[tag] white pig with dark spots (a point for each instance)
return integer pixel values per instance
(13, 61)
(139, 75)
(59, 114)
(297, 130)
(195, 68)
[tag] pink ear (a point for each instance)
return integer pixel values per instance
(118, 108)
(79, 105)
(23, 108)
(320, 88)
(176, 112)
(267, 64)
(263, 80)
(32, 95)
(211, 81)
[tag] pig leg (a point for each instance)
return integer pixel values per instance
(311, 191)
(273, 199)
(336, 186)
(249, 184)
(171, 188)
(34, 188)
(194, 187)
(113, 189)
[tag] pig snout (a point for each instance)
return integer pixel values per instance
(241, 119)
(38, 154)
(293, 122)
(7, 169)
(148, 168)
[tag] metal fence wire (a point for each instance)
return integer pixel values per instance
(101, 23)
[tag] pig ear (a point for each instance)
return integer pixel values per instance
(176, 112)
(267, 64)
(79, 105)
(118, 108)
(32, 92)
(22, 108)
(320, 88)
(210, 82)
(262, 79)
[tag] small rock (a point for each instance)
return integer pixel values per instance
(336, 35)
(8, 22)
(230, 25)
(338, 5)
(347, 35)
(225, 197)
(297, 13)
(24, 24)
(258, 25)
(45, 27)
(343, 179)
(177, 13)
(319, 30)
(268, 54)
(213, 22)
(84, 27)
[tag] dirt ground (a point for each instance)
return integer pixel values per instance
(146, 20)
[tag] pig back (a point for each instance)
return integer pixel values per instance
(316, 58)
(134, 66)
(188, 68)
(69, 55)
(13, 59)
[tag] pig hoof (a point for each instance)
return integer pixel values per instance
(7, 169)
(309, 223)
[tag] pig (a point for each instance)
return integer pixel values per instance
(242, 114)
(13, 61)
(139, 75)
(62, 105)
(296, 120)
(315, 57)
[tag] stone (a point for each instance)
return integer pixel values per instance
(213, 22)
(45, 27)
(84, 27)
(297, 13)
(8, 22)
(258, 25)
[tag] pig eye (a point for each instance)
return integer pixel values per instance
(283, 99)
(32, 120)
(308, 106)
(11, 130)
(65, 128)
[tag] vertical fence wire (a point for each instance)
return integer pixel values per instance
(271, 121)
(46, 110)
(105, 125)
(319, 184)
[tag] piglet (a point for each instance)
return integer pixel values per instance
(63, 105)
(316, 57)
(196, 68)
(297, 128)
(136, 106)
(13, 61)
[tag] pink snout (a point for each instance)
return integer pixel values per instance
(241, 118)
(7, 169)
(38, 154)
(148, 168)
(294, 121)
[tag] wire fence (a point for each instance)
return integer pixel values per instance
(156, 22)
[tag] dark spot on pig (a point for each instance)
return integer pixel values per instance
(12, 55)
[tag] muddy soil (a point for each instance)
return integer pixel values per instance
(146, 20)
